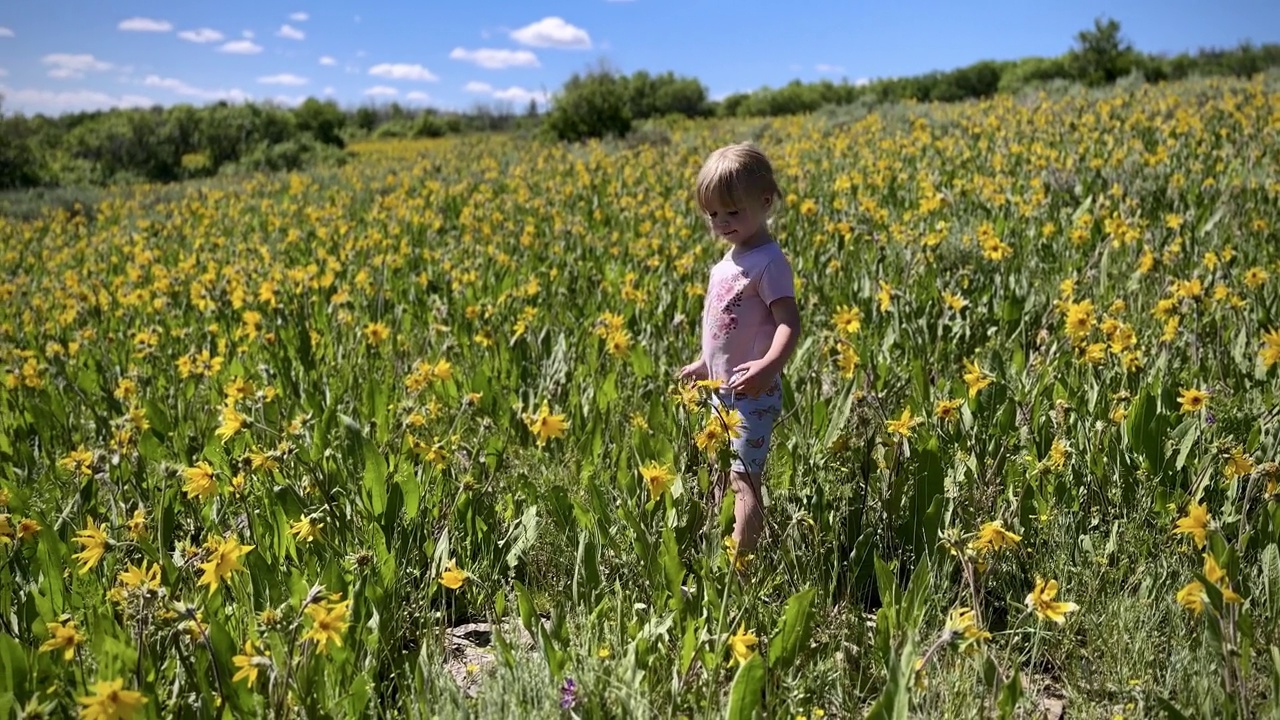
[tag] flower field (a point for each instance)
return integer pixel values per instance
(404, 438)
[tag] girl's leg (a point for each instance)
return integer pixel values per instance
(748, 510)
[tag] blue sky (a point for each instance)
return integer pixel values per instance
(61, 55)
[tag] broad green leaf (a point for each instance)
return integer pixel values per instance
(895, 698)
(793, 634)
(672, 568)
(375, 477)
(746, 695)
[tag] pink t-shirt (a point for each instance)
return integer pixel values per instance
(737, 324)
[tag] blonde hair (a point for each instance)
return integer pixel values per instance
(737, 176)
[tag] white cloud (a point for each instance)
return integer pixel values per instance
(861, 82)
(203, 35)
(282, 79)
(5, 32)
(299, 17)
(289, 100)
(4, 73)
(51, 101)
(496, 59)
(403, 71)
(552, 32)
(825, 68)
(418, 96)
(329, 90)
(141, 24)
(289, 32)
(381, 91)
(179, 87)
(514, 94)
(241, 47)
(327, 60)
(246, 34)
(65, 66)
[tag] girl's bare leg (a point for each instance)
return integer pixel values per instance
(748, 510)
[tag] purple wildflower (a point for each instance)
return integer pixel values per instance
(568, 694)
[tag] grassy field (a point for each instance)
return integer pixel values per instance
(402, 439)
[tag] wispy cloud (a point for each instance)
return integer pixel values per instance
(179, 87)
(403, 71)
(31, 100)
(299, 17)
(825, 68)
(4, 73)
(328, 60)
(65, 66)
(5, 32)
(289, 32)
(496, 59)
(241, 47)
(552, 32)
(141, 24)
(283, 79)
(514, 94)
(247, 34)
(203, 35)
(381, 91)
(418, 96)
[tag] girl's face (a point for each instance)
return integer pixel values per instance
(738, 225)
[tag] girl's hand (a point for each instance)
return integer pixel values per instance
(752, 378)
(696, 370)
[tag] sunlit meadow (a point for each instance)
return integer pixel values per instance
(404, 439)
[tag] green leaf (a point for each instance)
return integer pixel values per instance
(689, 645)
(894, 700)
(51, 564)
(375, 477)
(528, 618)
(13, 666)
(887, 584)
(1275, 676)
(525, 532)
(672, 568)
(838, 420)
(913, 601)
(1191, 428)
(1170, 711)
(1270, 562)
(748, 689)
(1010, 695)
(412, 490)
(556, 658)
(793, 633)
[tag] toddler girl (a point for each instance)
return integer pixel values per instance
(750, 322)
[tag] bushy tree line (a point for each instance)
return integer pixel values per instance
(600, 102)
(1100, 56)
(166, 144)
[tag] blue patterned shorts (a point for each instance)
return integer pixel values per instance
(759, 414)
